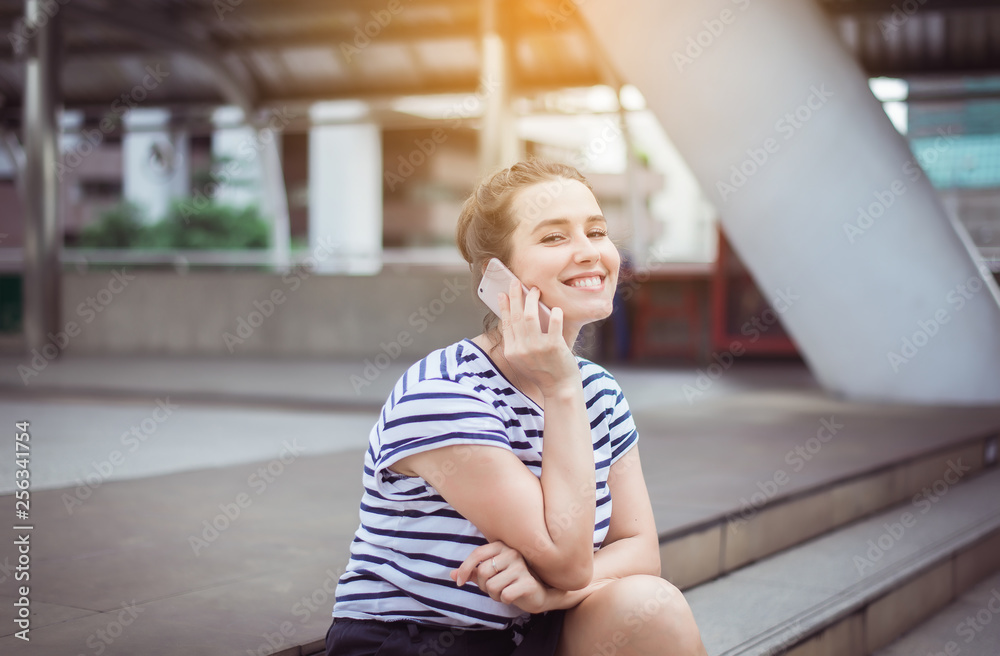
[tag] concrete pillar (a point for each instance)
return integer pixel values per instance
(179, 182)
(155, 161)
(274, 198)
(635, 202)
(498, 142)
(249, 172)
(42, 235)
(818, 193)
(240, 168)
(345, 196)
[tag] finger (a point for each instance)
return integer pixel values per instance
(491, 567)
(517, 589)
(531, 307)
(555, 322)
(516, 295)
(498, 583)
(483, 552)
(484, 572)
(505, 327)
(466, 569)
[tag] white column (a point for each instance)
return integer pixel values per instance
(179, 183)
(239, 171)
(345, 196)
(275, 198)
(819, 194)
(248, 171)
(498, 141)
(155, 162)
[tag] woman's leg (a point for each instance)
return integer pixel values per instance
(348, 637)
(356, 638)
(636, 616)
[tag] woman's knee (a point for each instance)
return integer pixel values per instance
(652, 609)
(642, 599)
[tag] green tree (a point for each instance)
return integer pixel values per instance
(211, 225)
(120, 226)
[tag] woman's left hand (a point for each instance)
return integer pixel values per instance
(502, 573)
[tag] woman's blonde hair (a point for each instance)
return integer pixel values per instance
(486, 222)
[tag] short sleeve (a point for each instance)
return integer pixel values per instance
(435, 413)
(621, 427)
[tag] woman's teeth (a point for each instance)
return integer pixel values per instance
(585, 282)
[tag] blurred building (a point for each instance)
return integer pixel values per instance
(359, 129)
(954, 130)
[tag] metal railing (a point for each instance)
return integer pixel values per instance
(443, 257)
(446, 257)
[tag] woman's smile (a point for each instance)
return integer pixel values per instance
(586, 282)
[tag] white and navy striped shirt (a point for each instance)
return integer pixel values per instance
(410, 538)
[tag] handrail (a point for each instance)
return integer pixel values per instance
(12, 258)
(446, 257)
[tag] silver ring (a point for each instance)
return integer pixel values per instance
(493, 561)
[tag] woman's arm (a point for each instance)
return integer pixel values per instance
(550, 520)
(631, 547)
(632, 544)
(493, 489)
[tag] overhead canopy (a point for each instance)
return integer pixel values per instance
(267, 53)
(906, 38)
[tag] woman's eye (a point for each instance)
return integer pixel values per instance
(593, 234)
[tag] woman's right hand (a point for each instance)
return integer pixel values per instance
(510, 582)
(543, 358)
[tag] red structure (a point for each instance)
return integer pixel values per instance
(741, 315)
(691, 309)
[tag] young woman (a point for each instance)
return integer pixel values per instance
(505, 510)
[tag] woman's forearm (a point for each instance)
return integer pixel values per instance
(639, 554)
(568, 484)
(628, 556)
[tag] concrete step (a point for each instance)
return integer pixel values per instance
(969, 626)
(854, 590)
(768, 522)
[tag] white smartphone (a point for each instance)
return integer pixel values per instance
(497, 279)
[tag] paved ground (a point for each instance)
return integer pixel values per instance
(220, 522)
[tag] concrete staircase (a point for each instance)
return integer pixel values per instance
(846, 568)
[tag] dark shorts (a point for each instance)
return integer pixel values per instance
(347, 637)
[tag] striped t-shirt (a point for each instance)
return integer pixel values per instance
(410, 538)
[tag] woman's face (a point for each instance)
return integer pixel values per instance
(561, 246)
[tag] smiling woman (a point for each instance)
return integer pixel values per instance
(505, 511)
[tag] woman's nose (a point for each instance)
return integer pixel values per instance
(586, 250)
